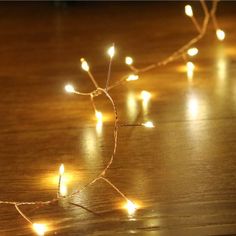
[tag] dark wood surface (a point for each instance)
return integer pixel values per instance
(183, 172)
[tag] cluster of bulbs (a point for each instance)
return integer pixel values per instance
(129, 205)
(191, 52)
(130, 77)
(220, 34)
(188, 49)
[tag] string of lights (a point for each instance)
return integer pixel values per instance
(187, 50)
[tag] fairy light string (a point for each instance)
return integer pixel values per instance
(182, 51)
(186, 49)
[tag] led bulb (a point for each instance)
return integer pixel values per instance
(84, 64)
(220, 34)
(132, 77)
(148, 124)
(130, 207)
(145, 95)
(188, 10)
(192, 52)
(128, 60)
(61, 169)
(40, 229)
(98, 116)
(69, 88)
(111, 51)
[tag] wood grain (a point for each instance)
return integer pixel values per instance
(183, 172)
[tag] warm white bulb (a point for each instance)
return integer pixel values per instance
(69, 88)
(40, 229)
(148, 124)
(132, 77)
(128, 60)
(188, 10)
(192, 52)
(84, 64)
(111, 51)
(61, 169)
(220, 34)
(130, 207)
(145, 95)
(98, 116)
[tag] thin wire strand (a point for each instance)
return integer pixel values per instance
(213, 15)
(114, 187)
(22, 214)
(196, 24)
(98, 91)
(177, 54)
(109, 70)
(92, 79)
(93, 103)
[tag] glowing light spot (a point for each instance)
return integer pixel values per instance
(69, 88)
(84, 64)
(99, 127)
(145, 95)
(190, 69)
(148, 124)
(188, 10)
(129, 60)
(40, 229)
(132, 107)
(190, 65)
(220, 34)
(192, 52)
(222, 68)
(111, 51)
(63, 189)
(193, 107)
(98, 115)
(132, 77)
(130, 207)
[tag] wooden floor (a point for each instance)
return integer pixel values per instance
(182, 173)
